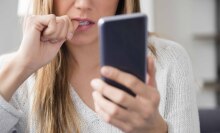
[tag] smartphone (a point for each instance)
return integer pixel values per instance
(123, 45)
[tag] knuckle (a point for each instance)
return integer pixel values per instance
(52, 16)
(115, 111)
(122, 97)
(133, 83)
(62, 22)
(66, 18)
(114, 73)
(36, 26)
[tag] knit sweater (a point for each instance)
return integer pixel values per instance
(175, 83)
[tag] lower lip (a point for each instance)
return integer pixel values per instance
(84, 28)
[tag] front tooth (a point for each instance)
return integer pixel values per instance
(82, 23)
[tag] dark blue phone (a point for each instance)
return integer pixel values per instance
(123, 44)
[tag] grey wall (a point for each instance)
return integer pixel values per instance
(10, 31)
(181, 21)
(173, 20)
(147, 7)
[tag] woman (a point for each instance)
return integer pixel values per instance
(65, 92)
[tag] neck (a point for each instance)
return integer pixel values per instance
(85, 58)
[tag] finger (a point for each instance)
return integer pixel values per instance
(50, 23)
(114, 94)
(124, 78)
(68, 31)
(151, 78)
(112, 110)
(72, 27)
(60, 31)
(62, 28)
(123, 99)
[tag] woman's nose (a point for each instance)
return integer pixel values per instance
(83, 5)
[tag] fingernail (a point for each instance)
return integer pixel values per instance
(70, 36)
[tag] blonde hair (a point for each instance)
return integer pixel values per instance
(53, 107)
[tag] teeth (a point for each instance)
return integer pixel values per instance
(83, 23)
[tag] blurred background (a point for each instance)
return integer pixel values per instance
(192, 23)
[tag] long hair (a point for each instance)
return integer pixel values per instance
(53, 107)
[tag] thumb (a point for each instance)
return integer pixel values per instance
(151, 78)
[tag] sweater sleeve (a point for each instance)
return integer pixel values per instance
(181, 112)
(10, 112)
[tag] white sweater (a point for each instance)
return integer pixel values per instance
(175, 83)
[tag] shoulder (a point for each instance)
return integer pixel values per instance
(176, 84)
(167, 47)
(169, 53)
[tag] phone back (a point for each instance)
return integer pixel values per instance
(123, 41)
